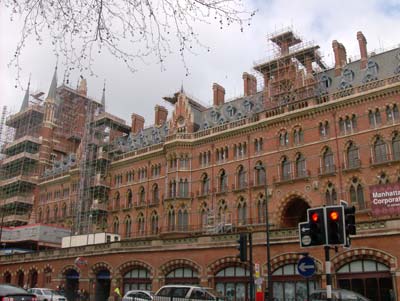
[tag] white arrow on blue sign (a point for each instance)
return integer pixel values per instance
(306, 266)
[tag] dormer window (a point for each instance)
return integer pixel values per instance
(214, 116)
(348, 75)
(248, 105)
(231, 110)
(325, 81)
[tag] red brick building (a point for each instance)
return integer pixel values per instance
(179, 191)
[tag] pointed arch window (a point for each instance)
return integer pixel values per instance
(117, 200)
(172, 189)
(283, 138)
(396, 146)
(241, 174)
(55, 212)
(330, 194)
(353, 160)
(327, 161)
(223, 181)
(380, 151)
(47, 214)
(156, 194)
(128, 226)
(286, 170)
(154, 223)
(204, 215)
(374, 117)
(242, 212)
(357, 193)
(260, 173)
(171, 219)
(301, 171)
(40, 215)
(183, 219)
(222, 211)
(298, 136)
(324, 129)
(261, 207)
(64, 210)
(205, 184)
(129, 200)
(116, 226)
(383, 178)
(142, 195)
(141, 224)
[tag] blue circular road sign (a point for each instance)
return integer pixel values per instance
(306, 266)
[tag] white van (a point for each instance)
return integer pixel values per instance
(180, 292)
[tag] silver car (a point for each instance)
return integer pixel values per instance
(46, 294)
(337, 295)
(138, 295)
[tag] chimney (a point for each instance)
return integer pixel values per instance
(137, 123)
(340, 56)
(160, 116)
(82, 89)
(219, 94)
(362, 42)
(249, 84)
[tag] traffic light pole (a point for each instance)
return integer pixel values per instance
(328, 274)
(251, 267)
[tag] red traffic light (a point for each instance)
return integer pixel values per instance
(334, 216)
(315, 217)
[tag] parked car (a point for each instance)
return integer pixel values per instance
(11, 292)
(179, 292)
(138, 295)
(46, 294)
(337, 295)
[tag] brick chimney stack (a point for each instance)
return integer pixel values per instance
(340, 56)
(362, 42)
(249, 84)
(219, 94)
(160, 115)
(137, 123)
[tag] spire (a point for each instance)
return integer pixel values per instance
(25, 102)
(182, 91)
(103, 98)
(53, 86)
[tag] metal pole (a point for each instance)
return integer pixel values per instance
(328, 274)
(251, 267)
(269, 272)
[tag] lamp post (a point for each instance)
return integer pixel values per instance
(269, 280)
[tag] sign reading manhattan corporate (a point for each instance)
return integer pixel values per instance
(385, 199)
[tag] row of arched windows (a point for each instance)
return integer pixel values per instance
(141, 197)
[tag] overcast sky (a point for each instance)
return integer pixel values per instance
(232, 53)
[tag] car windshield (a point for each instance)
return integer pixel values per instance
(49, 292)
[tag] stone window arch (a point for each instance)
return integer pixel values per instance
(283, 138)
(137, 278)
(352, 156)
(117, 200)
(154, 223)
(357, 193)
(182, 275)
(129, 198)
(156, 194)
(232, 281)
(47, 214)
(222, 211)
(260, 173)
(7, 277)
(328, 163)
(374, 117)
(298, 136)
(222, 181)
(301, 170)
(40, 215)
(64, 210)
(55, 213)
(171, 219)
(286, 168)
(140, 224)
(205, 184)
(204, 212)
(324, 129)
(183, 219)
(142, 195)
(330, 194)
(128, 226)
(241, 177)
(242, 211)
(116, 225)
(383, 178)
(261, 209)
(380, 150)
(396, 146)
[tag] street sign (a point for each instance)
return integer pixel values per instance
(306, 266)
(304, 235)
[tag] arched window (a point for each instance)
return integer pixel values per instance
(129, 200)
(137, 278)
(353, 160)
(156, 194)
(357, 193)
(260, 173)
(47, 214)
(396, 146)
(40, 215)
(242, 212)
(172, 189)
(183, 219)
(171, 219)
(324, 129)
(301, 171)
(140, 224)
(380, 151)
(116, 226)
(261, 207)
(330, 194)
(223, 181)
(204, 215)
(222, 211)
(182, 275)
(117, 200)
(383, 178)
(327, 160)
(186, 188)
(128, 226)
(233, 281)
(154, 223)
(283, 138)
(241, 177)
(205, 184)
(285, 168)
(142, 195)
(298, 136)
(374, 118)
(7, 277)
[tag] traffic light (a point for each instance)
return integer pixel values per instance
(350, 220)
(335, 225)
(316, 221)
(242, 247)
